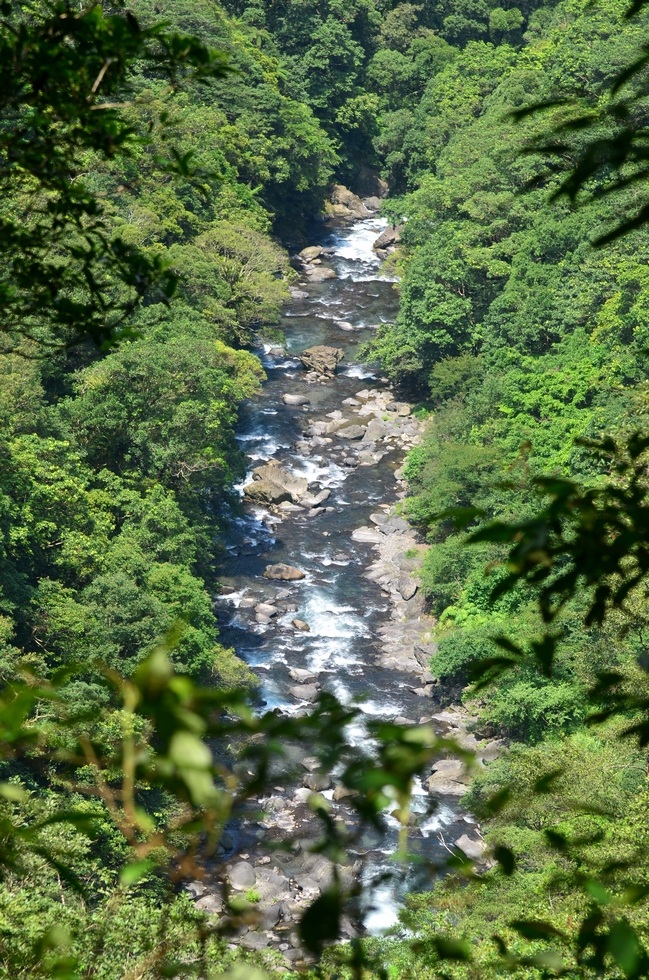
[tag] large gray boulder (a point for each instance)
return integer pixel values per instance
(210, 903)
(307, 886)
(449, 778)
(473, 849)
(266, 492)
(367, 535)
(372, 203)
(319, 273)
(304, 692)
(242, 876)
(341, 792)
(407, 586)
(322, 359)
(390, 236)
(283, 573)
(488, 751)
(266, 609)
(317, 781)
(351, 432)
(272, 472)
(375, 431)
(310, 253)
(346, 203)
(254, 941)
(314, 500)
(290, 399)
(271, 885)
(302, 675)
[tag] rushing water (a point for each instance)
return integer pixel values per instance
(342, 608)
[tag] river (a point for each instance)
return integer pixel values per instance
(342, 608)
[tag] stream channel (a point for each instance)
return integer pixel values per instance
(342, 608)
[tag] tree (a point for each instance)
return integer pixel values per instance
(64, 79)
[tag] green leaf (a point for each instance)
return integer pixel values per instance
(535, 929)
(596, 890)
(451, 949)
(505, 858)
(544, 784)
(625, 948)
(132, 872)
(12, 792)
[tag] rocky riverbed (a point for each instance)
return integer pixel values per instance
(321, 593)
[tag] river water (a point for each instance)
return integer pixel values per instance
(343, 609)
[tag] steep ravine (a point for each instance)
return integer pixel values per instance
(333, 440)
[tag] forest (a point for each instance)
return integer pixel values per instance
(160, 165)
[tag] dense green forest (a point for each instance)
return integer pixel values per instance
(119, 403)
(521, 339)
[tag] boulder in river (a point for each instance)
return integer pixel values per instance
(242, 876)
(297, 293)
(254, 941)
(341, 792)
(271, 886)
(299, 624)
(283, 573)
(302, 675)
(304, 692)
(375, 431)
(343, 325)
(266, 492)
(315, 500)
(390, 236)
(378, 519)
(372, 203)
(321, 359)
(449, 778)
(310, 253)
(317, 781)
(346, 204)
(272, 472)
(319, 273)
(473, 849)
(367, 535)
(352, 432)
(289, 399)
(266, 609)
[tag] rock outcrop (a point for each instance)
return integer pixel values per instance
(274, 485)
(346, 205)
(310, 253)
(319, 273)
(321, 359)
(272, 472)
(290, 399)
(266, 492)
(391, 236)
(283, 573)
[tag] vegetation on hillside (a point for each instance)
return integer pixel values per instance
(527, 346)
(148, 171)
